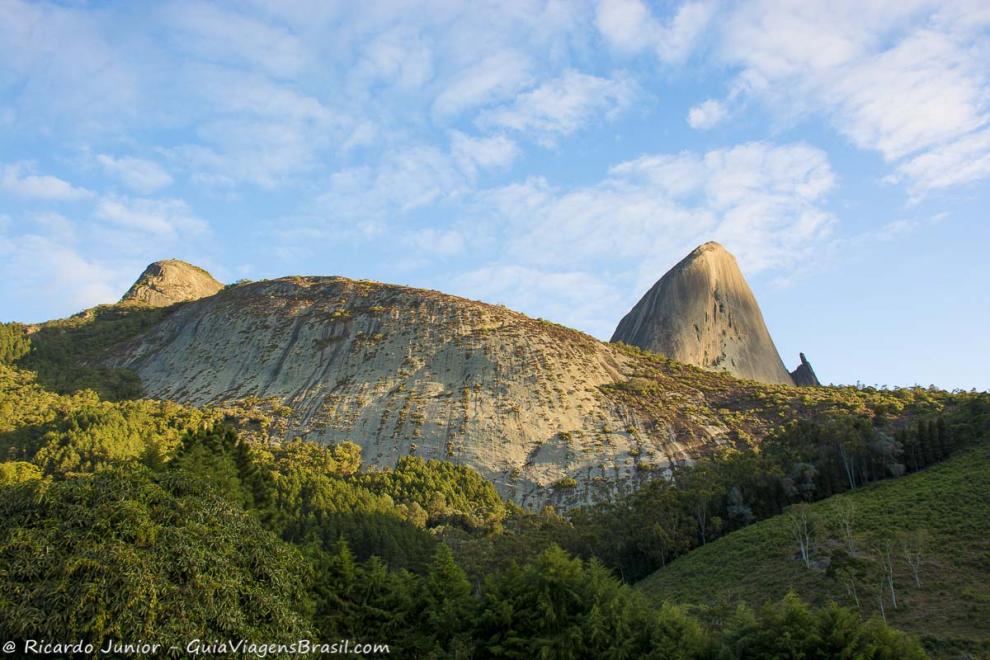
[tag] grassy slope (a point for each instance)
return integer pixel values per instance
(951, 501)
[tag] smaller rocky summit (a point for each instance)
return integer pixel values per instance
(165, 283)
(804, 374)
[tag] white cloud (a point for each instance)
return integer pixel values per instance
(960, 161)
(562, 105)
(401, 55)
(443, 242)
(629, 26)
(253, 94)
(224, 35)
(571, 297)
(53, 278)
(896, 228)
(493, 79)
(64, 67)
(762, 201)
(581, 254)
(143, 176)
(402, 182)
(707, 114)
(473, 153)
(55, 226)
(243, 149)
(17, 179)
(167, 219)
(906, 79)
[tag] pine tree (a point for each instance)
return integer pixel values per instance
(449, 604)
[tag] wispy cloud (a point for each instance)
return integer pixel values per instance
(138, 174)
(19, 179)
(764, 202)
(908, 80)
(707, 114)
(562, 105)
(474, 153)
(630, 26)
(573, 297)
(157, 218)
(493, 79)
(39, 262)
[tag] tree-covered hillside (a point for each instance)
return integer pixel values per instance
(123, 516)
(141, 518)
(914, 550)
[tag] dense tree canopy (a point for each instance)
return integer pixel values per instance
(14, 342)
(165, 523)
(126, 552)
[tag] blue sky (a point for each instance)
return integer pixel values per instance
(555, 157)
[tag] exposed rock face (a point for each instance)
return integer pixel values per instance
(804, 375)
(400, 371)
(165, 283)
(702, 312)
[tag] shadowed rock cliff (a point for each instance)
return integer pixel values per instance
(703, 312)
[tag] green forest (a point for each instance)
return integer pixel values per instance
(124, 518)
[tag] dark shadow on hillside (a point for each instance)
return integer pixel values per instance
(68, 355)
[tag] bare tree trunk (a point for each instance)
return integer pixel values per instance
(883, 613)
(847, 514)
(847, 463)
(886, 559)
(701, 515)
(849, 580)
(801, 528)
(913, 547)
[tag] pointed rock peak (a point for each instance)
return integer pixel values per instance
(708, 250)
(167, 282)
(702, 312)
(710, 246)
(708, 253)
(804, 374)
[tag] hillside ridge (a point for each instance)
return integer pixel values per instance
(550, 415)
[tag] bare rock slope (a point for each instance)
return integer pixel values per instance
(549, 414)
(702, 312)
(171, 281)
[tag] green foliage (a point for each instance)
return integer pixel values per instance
(940, 513)
(14, 472)
(791, 629)
(343, 460)
(67, 354)
(449, 493)
(150, 506)
(14, 342)
(558, 607)
(125, 553)
(449, 606)
(802, 461)
(310, 507)
(80, 433)
(216, 455)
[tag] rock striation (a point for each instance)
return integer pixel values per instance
(804, 375)
(548, 414)
(702, 312)
(171, 281)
